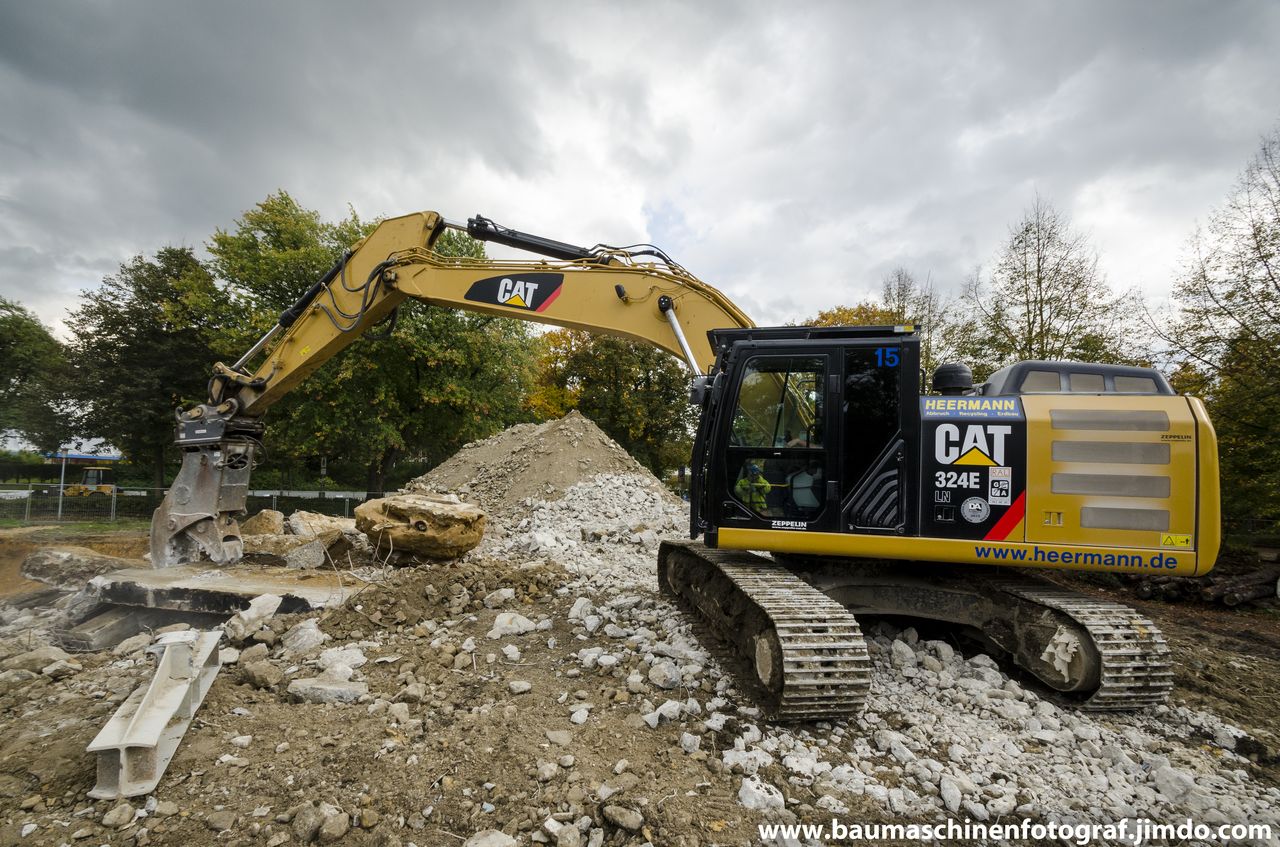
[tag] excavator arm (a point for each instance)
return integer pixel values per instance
(635, 292)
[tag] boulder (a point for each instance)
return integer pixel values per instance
(35, 660)
(266, 522)
(426, 524)
(72, 567)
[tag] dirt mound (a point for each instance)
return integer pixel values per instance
(537, 461)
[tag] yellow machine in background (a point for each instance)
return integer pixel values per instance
(95, 480)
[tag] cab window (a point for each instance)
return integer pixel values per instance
(776, 464)
(780, 403)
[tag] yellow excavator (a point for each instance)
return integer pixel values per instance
(819, 449)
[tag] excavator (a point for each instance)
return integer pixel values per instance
(827, 482)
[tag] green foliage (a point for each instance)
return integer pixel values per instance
(144, 345)
(33, 379)
(442, 379)
(637, 394)
(279, 249)
(1227, 334)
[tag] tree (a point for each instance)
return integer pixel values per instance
(556, 389)
(1226, 335)
(144, 345)
(903, 300)
(443, 378)
(33, 379)
(864, 313)
(636, 393)
(907, 301)
(1044, 298)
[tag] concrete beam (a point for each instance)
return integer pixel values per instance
(137, 743)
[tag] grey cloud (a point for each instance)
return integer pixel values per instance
(791, 155)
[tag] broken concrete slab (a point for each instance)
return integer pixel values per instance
(221, 590)
(110, 625)
(249, 619)
(70, 566)
(435, 526)
(34, 660)
(297, 551)
(327, 689)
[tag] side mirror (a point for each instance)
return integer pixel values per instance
(698, 390)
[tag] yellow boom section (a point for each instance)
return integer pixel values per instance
(610, 294)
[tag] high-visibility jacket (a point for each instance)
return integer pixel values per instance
(752, 490)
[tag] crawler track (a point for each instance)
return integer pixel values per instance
(1136, 665)
(808, 650)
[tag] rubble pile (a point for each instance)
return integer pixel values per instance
(528, 462)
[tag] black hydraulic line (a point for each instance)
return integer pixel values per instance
(483, 229)
(291, 314)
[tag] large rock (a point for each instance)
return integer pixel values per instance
(34, 660)
(314, 523)
(72, 567)
(438, 527)
(266, 522)
(327, 689)
(275, 545)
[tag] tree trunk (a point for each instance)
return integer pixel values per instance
(378, 470)
(157, 468)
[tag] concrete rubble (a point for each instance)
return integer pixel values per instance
(537, 689)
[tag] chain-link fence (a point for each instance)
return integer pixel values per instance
(51, 503)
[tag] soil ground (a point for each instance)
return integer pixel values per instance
(127, 539)
(462, 771)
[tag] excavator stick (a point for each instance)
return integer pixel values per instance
(198, 513)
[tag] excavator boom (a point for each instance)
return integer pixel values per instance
(636, 293)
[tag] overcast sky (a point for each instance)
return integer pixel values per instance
(790, 154)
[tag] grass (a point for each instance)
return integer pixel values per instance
(79, 529)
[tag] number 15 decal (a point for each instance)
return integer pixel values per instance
(887, 357)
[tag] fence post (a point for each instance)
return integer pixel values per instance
(113, 503)
(273, 503)
(31, 495)
(346, 506)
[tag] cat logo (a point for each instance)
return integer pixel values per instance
(978, 444)
(532, 292)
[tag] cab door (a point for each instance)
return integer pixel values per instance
(878, 427)
(776, 471)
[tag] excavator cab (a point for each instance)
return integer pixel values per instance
(809, 430)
